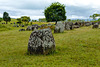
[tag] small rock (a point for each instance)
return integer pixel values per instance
(22, 25)
(22, 30)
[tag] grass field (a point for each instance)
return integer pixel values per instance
(75, 48)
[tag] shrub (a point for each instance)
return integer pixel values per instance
(52, 27)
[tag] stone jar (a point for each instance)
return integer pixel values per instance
(41, 42)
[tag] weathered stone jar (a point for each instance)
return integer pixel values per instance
(96, 25)
(41, 42)
(60, 27)
(69, 26)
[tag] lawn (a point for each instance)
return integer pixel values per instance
(75, 48)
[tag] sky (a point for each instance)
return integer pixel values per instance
(76, 9)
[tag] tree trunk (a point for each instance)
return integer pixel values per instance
(6, 22)
(56, 23)
(31, 23)
(27, 23)
(19, 24)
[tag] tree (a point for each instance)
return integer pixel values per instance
(55, 12)
(1, 19)
(69, 20)
(42, 19)
(19, 21)
(6, 17)
(25, 19)
(99, 19)
(9, 19)
(34, 20)
(28, 19)
(94, 16)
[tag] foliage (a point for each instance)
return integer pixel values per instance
(9, 19)
(76, 20)
(25, 19)
(28, 19)
(34, 20)
(1, 19)
(42, 19)
(95, 21)
(55, 12)
(52, 27)
(94, 16)
(6, 17)
(99, 19)
(68, 20)
(19, 20)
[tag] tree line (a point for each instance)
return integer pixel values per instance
(7, 18)
(25, 19)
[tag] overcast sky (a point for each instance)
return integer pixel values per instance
(80, 9)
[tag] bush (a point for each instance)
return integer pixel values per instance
(52, 27)
(4, 28)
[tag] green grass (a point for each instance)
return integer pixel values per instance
(74, 48)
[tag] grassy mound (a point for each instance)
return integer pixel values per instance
(4, 27)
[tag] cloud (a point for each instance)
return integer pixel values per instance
(1, 15)
(76, 17)
(35, 8)
(79, 11)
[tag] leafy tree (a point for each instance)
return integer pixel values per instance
(1, 19)
(9, 19)
(28, 19)
(19, 20)
(76, 20)
(25, 19)
(94, 16)
(42, 19)
(68, 20)
(98, 20)
(34, 20)
(55, 12)
(6, 17)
